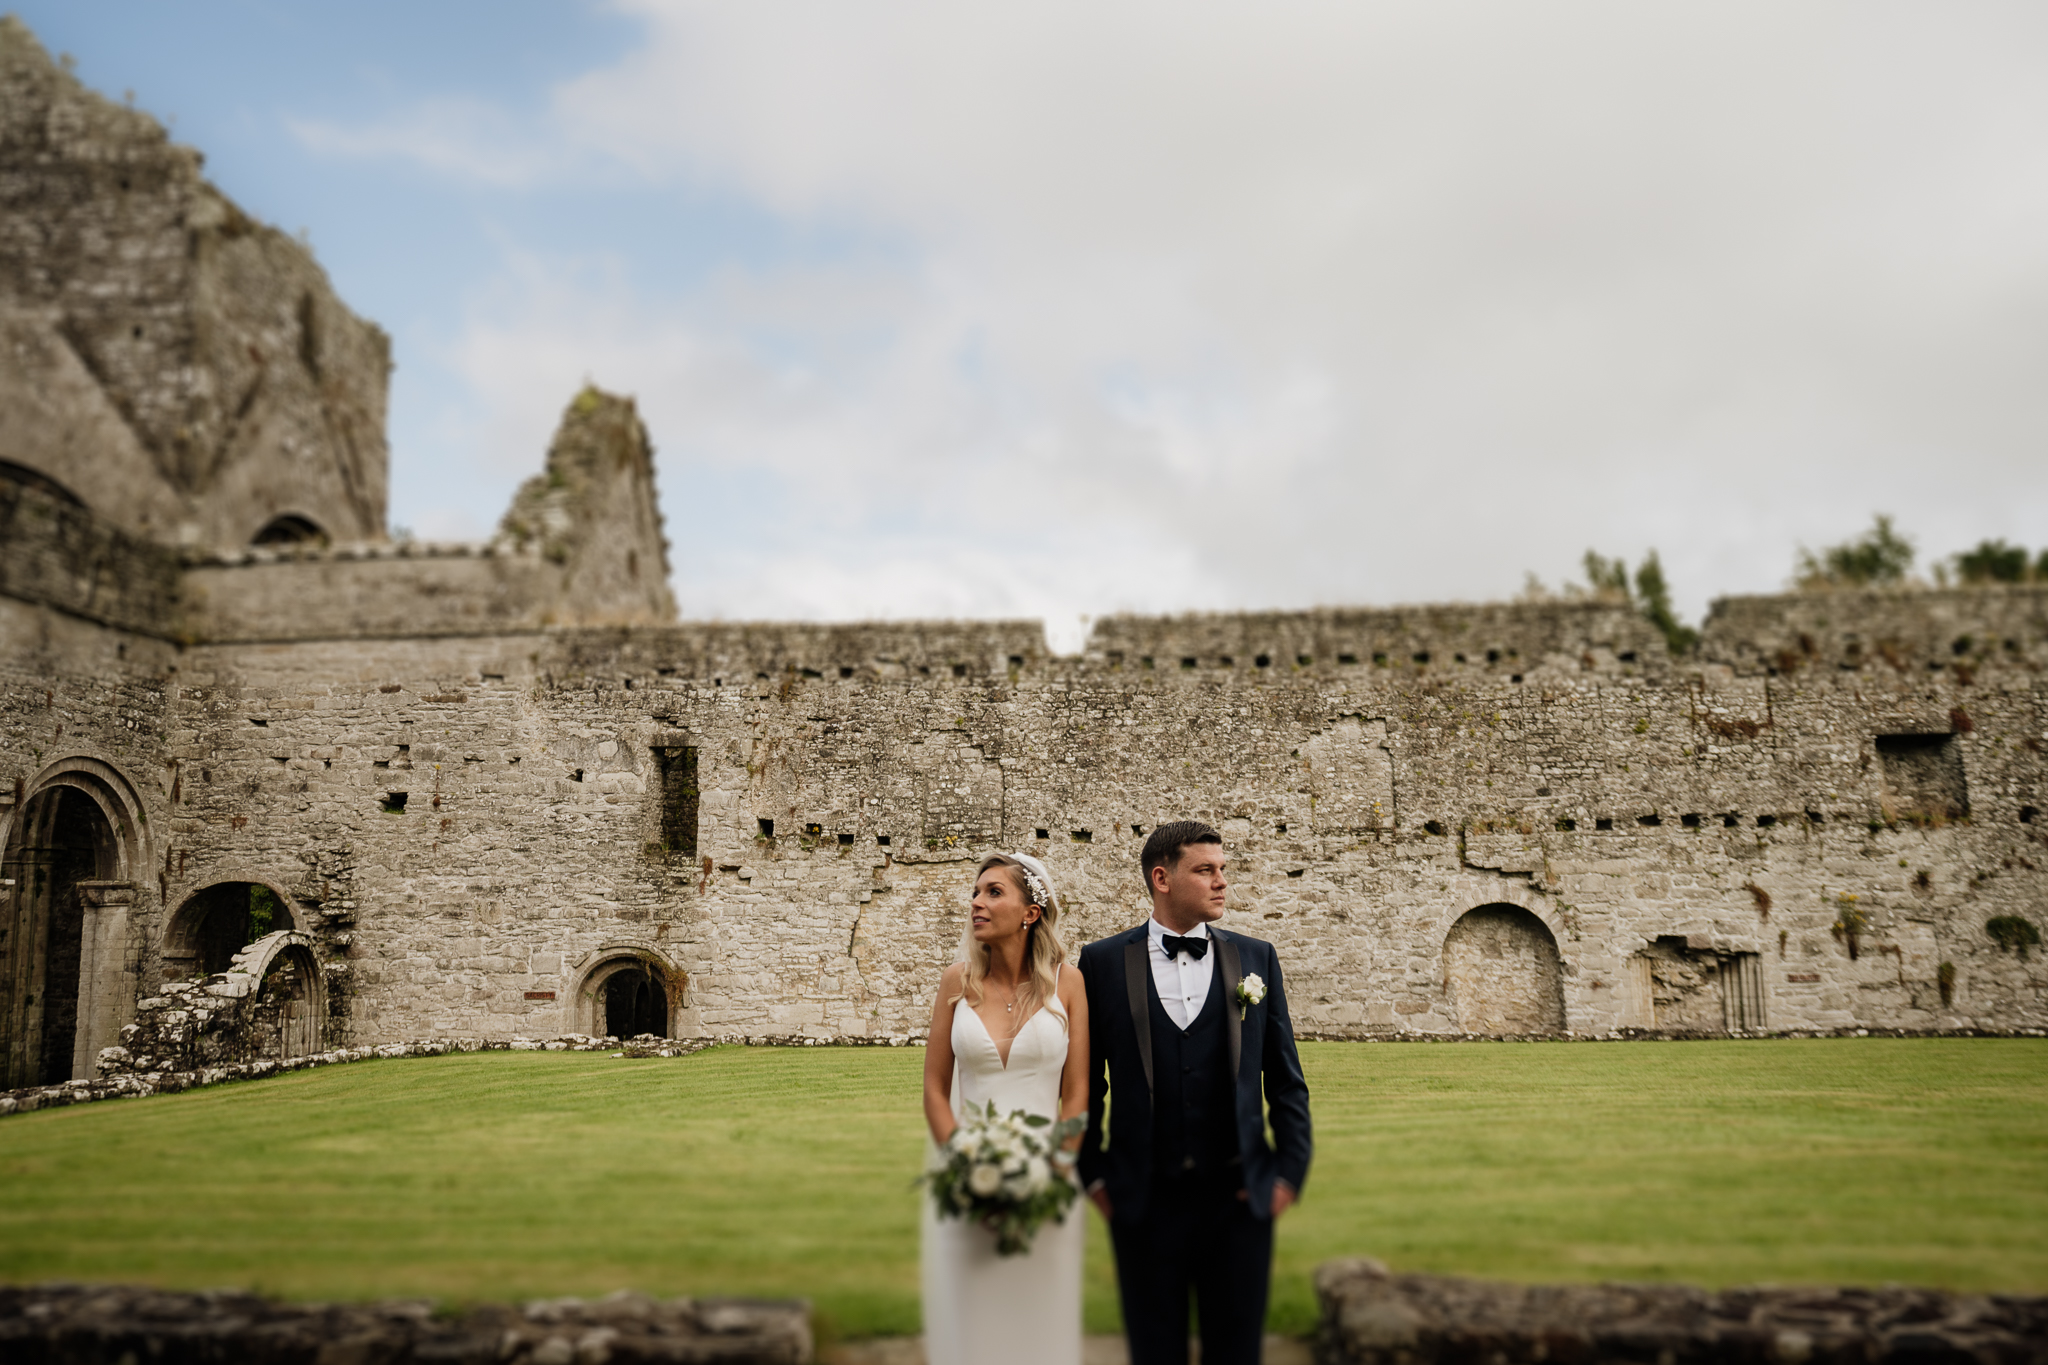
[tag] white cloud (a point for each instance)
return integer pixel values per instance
(468, 138)
(1214, 306)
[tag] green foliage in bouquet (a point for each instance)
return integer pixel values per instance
(1008, 1174)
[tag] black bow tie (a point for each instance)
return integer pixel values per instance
(1193, 947)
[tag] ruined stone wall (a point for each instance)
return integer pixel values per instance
(1658, 847)
(85, 713)
(61, 557)
(183, 370)
(1679, 841)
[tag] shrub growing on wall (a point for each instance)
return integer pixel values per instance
(2013, 933)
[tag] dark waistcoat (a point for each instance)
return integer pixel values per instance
(1194, 1119)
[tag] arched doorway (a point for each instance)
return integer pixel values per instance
(217, 922)
(635, 1003)
(1503, 973)
(625, 990)
(289, 1006)
(61, 848)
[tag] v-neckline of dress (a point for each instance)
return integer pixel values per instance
(1002, 1057)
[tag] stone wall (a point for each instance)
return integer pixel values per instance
(475, 828)
(107, 1324)
(1371, 1317)
(1666, 836)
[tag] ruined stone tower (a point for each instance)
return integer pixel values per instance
(182, 370)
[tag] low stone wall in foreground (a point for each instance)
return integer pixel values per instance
(1373, 1317)
(91, 1324)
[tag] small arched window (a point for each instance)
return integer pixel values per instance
(34, 478)
(290, 529)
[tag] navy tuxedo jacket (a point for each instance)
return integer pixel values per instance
(1118, 974)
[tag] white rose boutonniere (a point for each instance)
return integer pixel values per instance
(1250, 991)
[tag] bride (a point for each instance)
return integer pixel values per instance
(1010, 1025)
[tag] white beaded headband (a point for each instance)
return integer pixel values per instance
(1037, 880)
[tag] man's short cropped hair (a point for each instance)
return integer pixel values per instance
(1163, 848)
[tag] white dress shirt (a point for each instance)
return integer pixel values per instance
(1182, 981)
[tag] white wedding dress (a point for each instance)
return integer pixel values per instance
(981, 1308)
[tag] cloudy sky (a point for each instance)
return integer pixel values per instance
(1052, 309)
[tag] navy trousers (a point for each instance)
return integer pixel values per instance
(1200, 1236)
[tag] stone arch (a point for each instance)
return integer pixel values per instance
(287, 1003)
(68, 855)
(109, 789)
(27, 477)
(634, 986)
(214, 922)
(1503, 973)
(290, 529)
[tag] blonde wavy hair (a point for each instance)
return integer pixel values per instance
(1043, 951)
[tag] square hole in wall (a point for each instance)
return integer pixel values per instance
(1689, 821)
(766, 826)
(882, 840)
(1603, 824)
(846, 841)
(1766, 821)
(1347, 658)
(1082, 836)
(1731, 820)
(1187, 662)
(1650, 821)
(1567, 825)
(393, 803)
(814, 830)
(1042, 833)
(1263, 661)
(1923, 776)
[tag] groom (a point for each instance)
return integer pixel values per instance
(1191, 1023)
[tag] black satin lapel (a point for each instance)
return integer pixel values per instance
(1233, 972)
(1136, 969)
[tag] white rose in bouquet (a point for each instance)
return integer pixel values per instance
(985, 1179)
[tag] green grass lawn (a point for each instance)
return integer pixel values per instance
(787, 1172)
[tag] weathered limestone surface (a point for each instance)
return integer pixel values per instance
(108, 1324)
(1370, 1317)
(495, 790)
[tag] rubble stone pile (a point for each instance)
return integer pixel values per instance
(1373, 1317)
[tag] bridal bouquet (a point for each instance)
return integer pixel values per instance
(1001, 1172)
